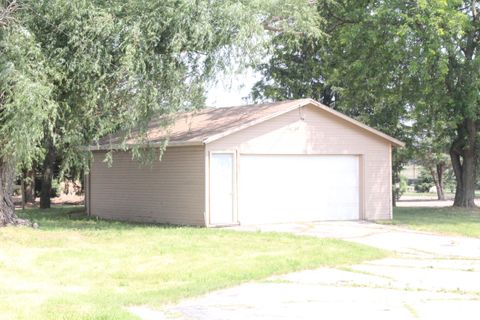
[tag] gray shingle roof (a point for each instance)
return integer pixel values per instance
(206, 125)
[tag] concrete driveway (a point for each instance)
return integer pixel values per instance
(430, 277)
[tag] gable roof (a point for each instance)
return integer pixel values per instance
(210, 124)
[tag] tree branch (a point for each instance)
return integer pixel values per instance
(6, 14)
(269, 25)
(474, 10)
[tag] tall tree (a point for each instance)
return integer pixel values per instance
(25, 103)
(407, 60)
(300, 67)
(425, 52)
(431, 146)
(107, 65)
(435, 160)
(296, 68)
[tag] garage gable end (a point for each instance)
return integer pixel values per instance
(312, 104)
(306, 130)
(278, 149)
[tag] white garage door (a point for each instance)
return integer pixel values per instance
(290, 188)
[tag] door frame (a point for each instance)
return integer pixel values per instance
(234, 187)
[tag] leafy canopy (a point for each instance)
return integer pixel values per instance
(389, 63)
(73, 71)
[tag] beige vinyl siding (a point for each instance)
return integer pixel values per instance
(168, 191)
(309, 130)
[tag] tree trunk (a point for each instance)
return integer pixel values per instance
(22, 188)
(7, 208)
(47, 177)
(440, 172)
(437, 176)
(463, 153)
(395, 190)
(30, 186)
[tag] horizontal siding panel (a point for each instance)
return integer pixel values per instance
(168, 191)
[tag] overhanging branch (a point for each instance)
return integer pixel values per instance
(6, 13)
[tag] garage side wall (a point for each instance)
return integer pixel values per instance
(309, 130)
(168, 191)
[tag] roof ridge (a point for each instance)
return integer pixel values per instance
(259, 104)
(201, 126)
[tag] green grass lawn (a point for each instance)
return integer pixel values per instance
(74, 268)
(448, 220)
(448, 194)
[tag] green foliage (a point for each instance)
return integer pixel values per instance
(400, 158)
(389, 64)
(295, 69)
(424, 183)
(431, 146)
(338, 71)
(449, 183)
(402, 186)
(419, 57)
(26, 104)
(55, 188)
(74, 71)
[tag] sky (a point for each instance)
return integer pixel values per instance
(232, 90)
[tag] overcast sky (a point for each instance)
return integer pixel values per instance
(232, 89)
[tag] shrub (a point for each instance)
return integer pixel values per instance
(424, 183)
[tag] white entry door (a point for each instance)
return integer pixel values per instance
(222, 188)
(293, 188)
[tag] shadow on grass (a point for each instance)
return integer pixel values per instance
(74, 218)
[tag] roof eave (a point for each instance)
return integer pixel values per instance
(252, 123)
(301, 103)
(152, 144)
(393, 141)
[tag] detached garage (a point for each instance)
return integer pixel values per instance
(291, 161)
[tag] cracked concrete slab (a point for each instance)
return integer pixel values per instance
(431, 277)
